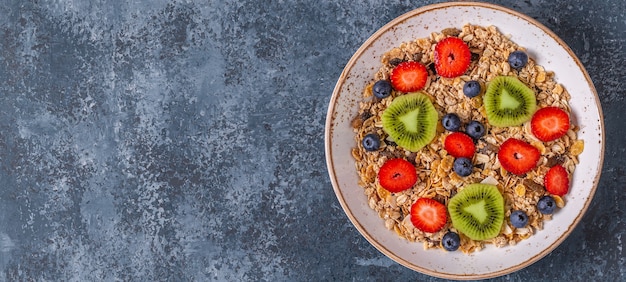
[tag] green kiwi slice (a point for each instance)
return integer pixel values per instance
(508, 101)
(477, 211)
(411, 121)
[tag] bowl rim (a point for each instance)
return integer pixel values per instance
(330, 117)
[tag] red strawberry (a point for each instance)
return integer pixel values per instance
(459, 144)
(549, 123)
(557, 181)
(452, 57)
(409, 77)
(397, 175)
(428, 215)
(517, 156)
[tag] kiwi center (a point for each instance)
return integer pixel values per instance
(410, 120)
(478, 211)
(507, 100)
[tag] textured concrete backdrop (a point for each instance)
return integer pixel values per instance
(183, 140)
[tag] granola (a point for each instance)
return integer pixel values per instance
(490, 50)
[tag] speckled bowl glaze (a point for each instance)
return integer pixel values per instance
(549, 51)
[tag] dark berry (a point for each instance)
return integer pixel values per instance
(518, 59)
(451, 241)
(519, 219)
(371, 142)
(451, 122)
(546, 205)
(475, 129)
(395, 61)
(471, 88)
(463, 166)
(382, 89)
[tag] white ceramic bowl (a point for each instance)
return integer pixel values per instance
(549, 51)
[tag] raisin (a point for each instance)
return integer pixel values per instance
(395, 61)
(451, 32)
(417, 57)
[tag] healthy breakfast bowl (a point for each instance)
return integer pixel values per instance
(464, 140)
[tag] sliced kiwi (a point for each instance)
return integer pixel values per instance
(477, 211)
(508, 101)
(411, 121)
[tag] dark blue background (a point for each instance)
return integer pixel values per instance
(183, 140)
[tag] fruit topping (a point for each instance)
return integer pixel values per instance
(556, 181)
(519, 219)
(397, 175)
(475, 129)
(471, 88)
(463, 166)
(518, 59)
(409, 76)
(371, 142)
(459, 144)
(411, 121)
(508, 101)
(451, 122)
(517, 156)
(382, 89)
(451, 241)
(477, 211)
(428, 215)
(452, 57)
(549, 123)
(546, 205)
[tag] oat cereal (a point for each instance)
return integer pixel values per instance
(436, 178)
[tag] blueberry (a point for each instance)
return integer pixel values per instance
(451, 241)
(546, 205)
(463, 166)
(475, 129)
(451, 122)
(371, 142)
(518, 59)
(471, 88)
(519, 219)
(382, 89)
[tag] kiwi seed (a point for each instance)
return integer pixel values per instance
(411, 121)
(477, 211)
(508, 102)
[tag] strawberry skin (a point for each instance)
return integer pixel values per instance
(459, 144)
(517, 156)
(452, 57)
(549, 123)
(397, 175)
(409, 77)
(428, 215)
(556, 181)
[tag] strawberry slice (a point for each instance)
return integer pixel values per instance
(397, 175)
(549, 123)
(557, 181)
(517, 156)
(409, 77)
(428, 215)
(452, 57)
(459, 144)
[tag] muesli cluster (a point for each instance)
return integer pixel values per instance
(463, 140)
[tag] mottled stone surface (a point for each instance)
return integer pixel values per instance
(183, 140)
